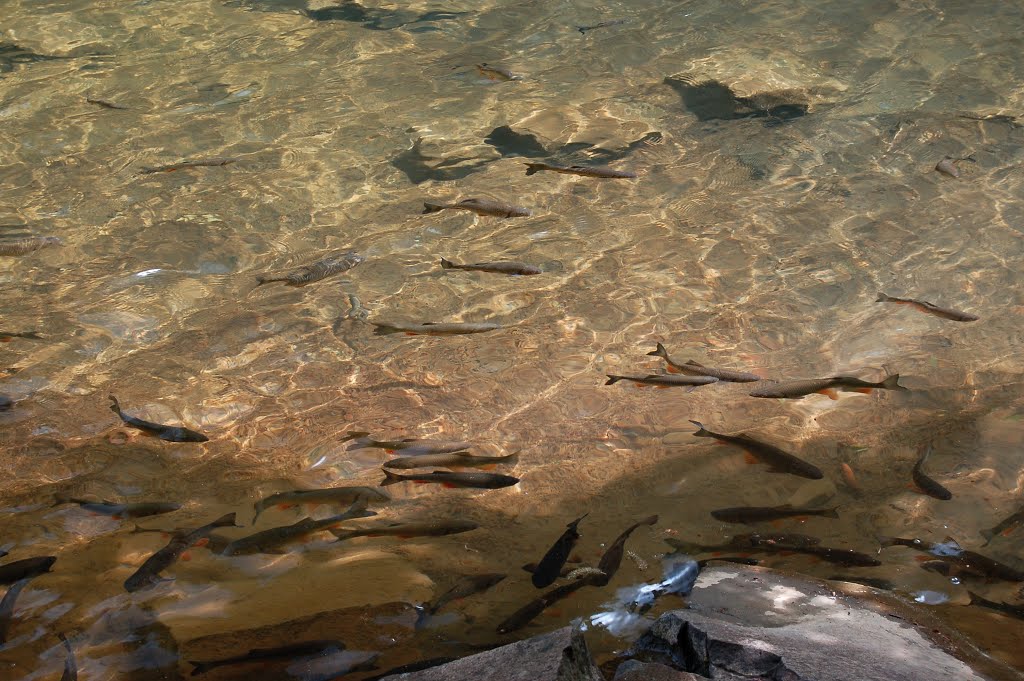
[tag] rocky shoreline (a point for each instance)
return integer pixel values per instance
(750, 623)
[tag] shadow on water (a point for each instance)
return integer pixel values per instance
(371, 18)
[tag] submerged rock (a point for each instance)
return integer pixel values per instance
(558, 656)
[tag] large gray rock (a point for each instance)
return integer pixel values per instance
(749, 623)
(559, 656)
(634, 670)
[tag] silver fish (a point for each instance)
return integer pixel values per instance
(694, 369)
(585, 171)
(499, 267)
(433, 329)
(930, 308)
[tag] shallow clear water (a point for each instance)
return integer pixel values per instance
(755, 243)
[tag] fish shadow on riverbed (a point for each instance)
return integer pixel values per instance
(12, 55)
(373, 19)
(420, 167)
(711, 100)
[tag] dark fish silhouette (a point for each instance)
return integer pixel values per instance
(947, 166)
(5, 403)
(115, 510)
(663, 380)
(612, 558)
(70, 666)
(148, 574)
(526, 614)
(7, 607)
(290, 651)
(926, 484)
(968, 562)
(760, 514)
(512, 144)
(168, 433)
(7, 336)
(930, 308)
(449, 479)
(601, 24)
(795, 390)
(1016, 611)
(551, 564)
(377, 19)
(432, 328)
(12, 55)
(585, 171)
(784, 544)
(326, 495)
(105, 103)
(777, 460)
(315, 271)
(26, 568)
(500, 267)
(480, 207)
(27, 244)
(193, 163)
(695, 369)
(436, 528)
(1005, 526)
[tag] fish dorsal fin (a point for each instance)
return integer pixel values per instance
(429, 323)
(408, 439)
(694, 364)
(953, 543)
(469, 201)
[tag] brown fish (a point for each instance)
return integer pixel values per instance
(585, 171)
(454, 459)
(289, 651)
(70, 666)
(612, 558)
(968, 561)
(778, 460)
(947, 166)
(551, 564)
(663, 380)
(270, 541)
(448, 479)
(194, 163)
(327, 495)
(480, 207)
(27, 244)
(849, 478)
(439, 528)
(104, 103)
(148, 574)
(499, 267)
(113, 509)
(784, 544)
(930, 308)
(497, 73)
(8, 336)
(926, 484)
(694, 369)
(6, 403)
(433, 329)
(1016, 611)
(526, 614)
(1004, 527)
(410, 446)
(315, 271)
(601, 24)
(795, 390)
(759, 514)
(7, 607)
(168, 433)
(470, 585)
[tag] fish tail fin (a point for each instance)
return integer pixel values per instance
(115, 406)
(612, 379)
(447, 264)
(893, 383)
(199, 667)
(885, 541)
(975, 598)
(390, 478)
(384, 329)
(831, 512)
(701, 431)
(532, 168)
(342, 535)
(989, 535)
(882, 298)
(423, 615)
(431, 208)
(659, 351)
(226, 520)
